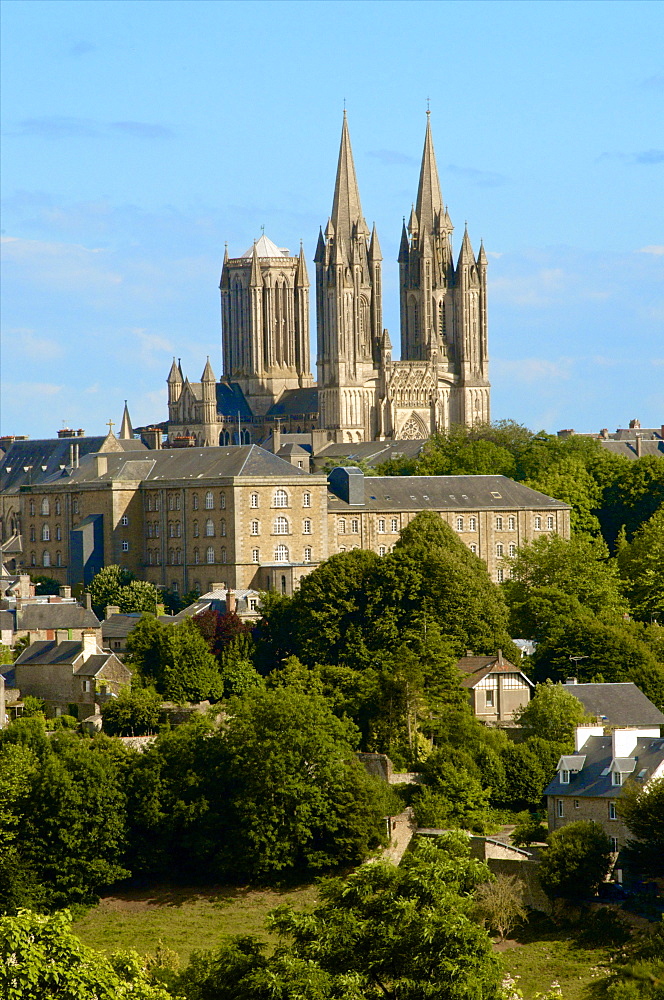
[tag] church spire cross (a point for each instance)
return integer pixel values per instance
(111, 425)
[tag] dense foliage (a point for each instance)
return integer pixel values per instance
(576, 862)
(114, 585)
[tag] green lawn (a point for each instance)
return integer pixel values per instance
(543, 955)
(184, 919)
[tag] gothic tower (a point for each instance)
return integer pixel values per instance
(443, 308)
(265, 323)
(348, 306)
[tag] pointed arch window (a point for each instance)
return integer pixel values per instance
(209, 528)
(46, 533)
(45, 507)
(209, 500)
(58, 508)
(209, 555)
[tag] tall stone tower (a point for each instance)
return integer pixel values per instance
(265, 323)
(443, 308)
(348, 306)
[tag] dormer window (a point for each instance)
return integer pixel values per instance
(617, 778)
(564, 777)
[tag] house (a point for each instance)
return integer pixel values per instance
(244, 603)
(51, 620)
(589, 782)
(73, 677)
(622, 704)
(496, 687)
(116, 627)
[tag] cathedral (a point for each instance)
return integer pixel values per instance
(361, 394)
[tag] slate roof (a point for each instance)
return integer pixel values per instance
(49, 651)
(6, 620)
(628, 448)
(617, 704)
(118, 626)
(52, 453)
(215, 599)
(188, 463)
(460, 493)
(231, 401)
(371, 452)
(95, 663)
(476, 668)
(591, 782)
(296, 402)
(52, 616)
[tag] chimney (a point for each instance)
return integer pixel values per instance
(80, 432)
(89, 643)
(604, 433)
(218, 586)
(639, 446)
(623, 742)
(111, 609)
(102, 464)
(231, 603)
(571, 680)
(581, 734)
(65, 591)
(276, 438)
(87, 602)
(500, 657)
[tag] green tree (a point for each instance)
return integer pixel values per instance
(536, 612)
(46, 585)
(632, 496)
(18, 887)
(190, 671)
(642, 809)
(576, 861)
(238, 673)
(570, 481)
(500, 904)
(41, 958)
(641, 564)
(552, 714)
(144, 650)
(132, 713)
(117, 585)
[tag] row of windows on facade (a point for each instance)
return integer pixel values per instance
(46, 559)
(281, 526)
(209, 556)
(509, 523)
(280, 498)
(613, 812)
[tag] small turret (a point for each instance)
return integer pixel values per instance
(174, 382)
(208, 375)
(126, 430)
(255, 277)
(320, 248)
(404, 246)
(466, 255)
(374, 246)
(301, 276)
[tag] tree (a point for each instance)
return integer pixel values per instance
(238, 673)
(552, 714)
(117, 585)
(536, 612)
(190, 671)
(641, 564)
(46, 585)
(40, 958)
(570, 481)
(452, 795)
(132, 713)
(632, 496)
(642, 809)
(500, 904)
(576, 862)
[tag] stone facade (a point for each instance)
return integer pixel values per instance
(441, 379)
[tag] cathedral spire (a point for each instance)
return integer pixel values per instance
(346, 207)
(175, 374)
(429, 208)
(374, 246)
(126, 430)
(301, 276)
(208, 374)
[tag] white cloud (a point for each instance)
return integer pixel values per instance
(153, 346)
(532, 290)
(654, 248)
(24, 341)
(533, 369)
(63, 265)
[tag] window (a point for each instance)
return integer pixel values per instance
(307, 555)
(255, 528)
(178, 557)
(45, 506)
(281, 553)
(255, 555)
(33, 559)
(617, 778)
(178, 529)
(281, 526)
(124, 520)
(576, 803)
(473, 548)
(512, 549)
(209, 528)
(488, 695)
(306, 527)
(149, 529)
(175, 586)
(223, 553)
(500, 575)
(125, 546)
(472, 524)
(197, 557)
(355, 526)
(74, 506)
(564, 777)
(381, 525)
(280, 498)
(538, 523)
(561, 808)
(58, 558)
(58, 508)
(222, 526)
(33, 533)
(194, 501)
(253, 500)
(253, 601)
(177, 502)
(87, 687)
(171, 529)
(306, 500)
(32, 508)
(459, 524)
(156, 529)
(612, 811)
(195, 529)
(209, 500)
(511, 523)
(209, 555)
(46, 533)
(549, 522)
(46, 559)
(342, 548)
(171, 502)
(149, 502)
(614, 845)
(222, 501)
(341, 526)
(499, 524)
(499, 549)
(394, 524)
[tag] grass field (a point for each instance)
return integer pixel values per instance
(184, 919)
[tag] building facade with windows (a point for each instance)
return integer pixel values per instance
(589, 782)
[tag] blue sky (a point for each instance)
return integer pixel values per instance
(140, 137)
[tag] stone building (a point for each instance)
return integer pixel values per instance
(361, 395)
(589, 782)
(496, 688)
